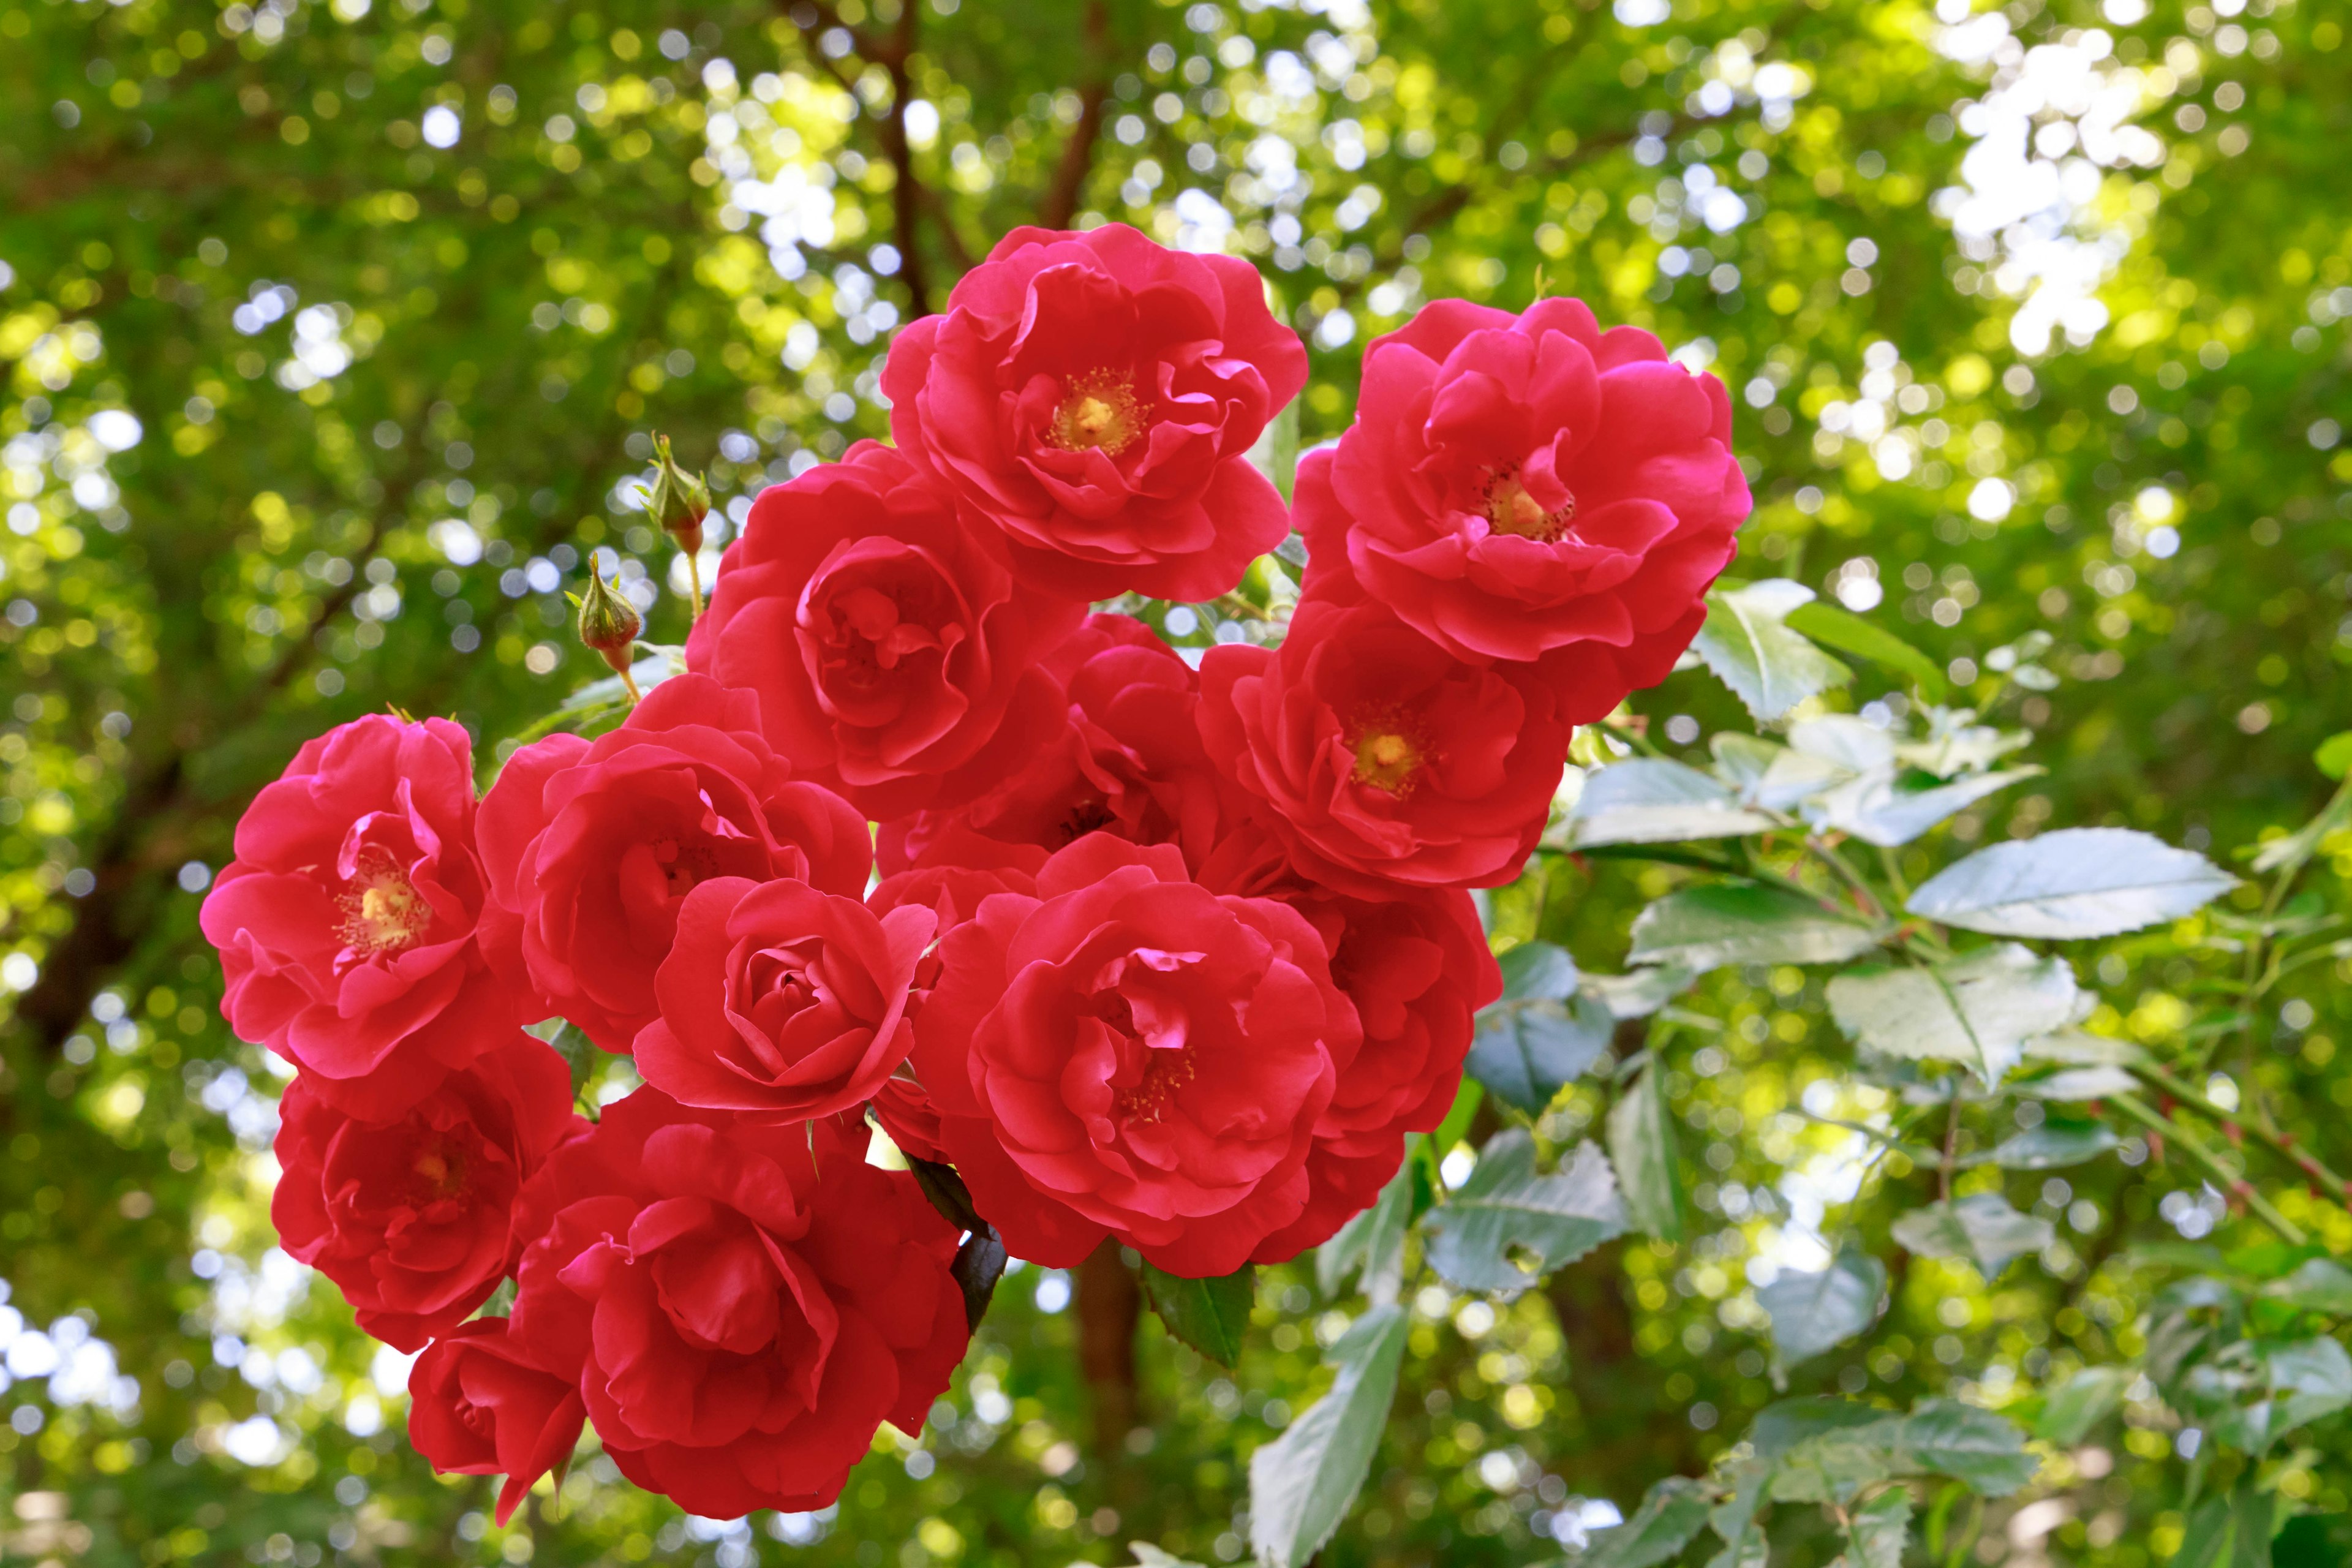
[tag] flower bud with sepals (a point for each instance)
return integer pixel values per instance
(609, 624)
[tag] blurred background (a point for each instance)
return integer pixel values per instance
(332, 337)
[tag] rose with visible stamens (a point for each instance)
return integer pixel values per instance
(346, 924)
(1089, 399)
(1127, 1053)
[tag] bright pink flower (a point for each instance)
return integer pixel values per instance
(891, 654)
(1529, 487)
(346, 924)
(1380, 761)
(1091, 397)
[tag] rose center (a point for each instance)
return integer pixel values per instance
(1099, 413)
(684, 867)
(1386, 758)
(1511, 509)
(382, 910)
(1165, 1075)
(442, 1168)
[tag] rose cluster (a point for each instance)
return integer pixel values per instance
(1152, 951)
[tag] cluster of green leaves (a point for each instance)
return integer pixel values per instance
(307, 406)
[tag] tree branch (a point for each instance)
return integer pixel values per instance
(1061, 199)
(905, 189)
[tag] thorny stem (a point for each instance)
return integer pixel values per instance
(2206, 1160)
(2279, 1144)
(1852, 879)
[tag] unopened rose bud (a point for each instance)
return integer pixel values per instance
(678, 500)
(608, 623)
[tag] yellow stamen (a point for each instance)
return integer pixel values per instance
(1100, 414)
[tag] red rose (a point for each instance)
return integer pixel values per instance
(780, 1000)
(346, 923)
(1517, 485)
(892, 656)
(1382, 760)
(592, 845)
(1127, 1053)
(480, 1405)
(1091, 397)
(1129, 760)
(409, 1216)
(1418, 970)
(742, 1306)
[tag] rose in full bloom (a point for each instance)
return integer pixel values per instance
(1381, 760)
(740, 1305)
(592, 845)
(1418, 970)
(1090, 396)
(1516, 487)
(346, 924)
(1127, 1053)
(891, 654)
(480, 1405)
(1129, 761)
(783, 1000)
(411, 1216)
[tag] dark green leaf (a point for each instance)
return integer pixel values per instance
(1642, 1147)
(1210, 1315)
(1669, 1519)
(979, 1265)
(2320, 1285)
(1301, 1484)
(1527, 1052)
(1842, 629)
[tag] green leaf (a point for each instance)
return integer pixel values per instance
(1982, 1447)
(1302, 1483)
(2320, 1285)
(2335, 754)
(1640, 993)
(1835, 1466)
(1770, 775)
(1536, 971)
(1669, 1519)
(1722, 924)
(1977, 1010)
(1877, 810)
(1879, 1529)
(1642, 1147)
(1508, 1225)
(1527, 1052)
(1814, 1313)
(2054, 1145)
(1648, 800)
(1783, 1425)
(2253, 1392)
(1275, 454)
(2073, 1410)
(1842, 629)
(1981, 1227)
(2288, 853)
(1747, 642)
(1210, 1315)
(1149, 1557)
(1372, 1242)
(2075, 882)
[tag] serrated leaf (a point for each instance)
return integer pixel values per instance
(2073, 1410)
(1302, 1483)
(2075, 882)
(1642, 1147)
(1981, 1227)
(2253, 1392)
(1769, 775)
(1955, 746)
(1981, 1448)
(1977, 1010)
(1837, 628)
(1747, 642)
(1372, 1242)
(1875, 810)
(1707, 927)
(1210, 1315)
(1640, 993)
(1880, 1529)
(1814, 1313)
(2053, 1145)
(1669, 1519)
(1527, 1052)
(1648, 800)
(1509, 1225)
(1835, 1467)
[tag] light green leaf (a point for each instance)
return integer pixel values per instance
(1640, 993)
(1507, 1226)
(1210, 1315)
(2289, 853)
(1372, 1242)
(1727, 923)
(1814, 1313)
(1981, 1227)
(1879, 1529)
(1875, 810)
(1648, 800)
(1536, 971)
(1955, 744)
(1747, 642)
(1149, 1557)
(1642, 1147)
(2320, 1285)
(1302, 1483)
(2073, 1410)
(1843, 630)
(2076, 1085)
(2075, 882)
(2253, 1392)
(1977, 1010)
(1768, 775)
(1670, 1517)
(2053, 1145)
